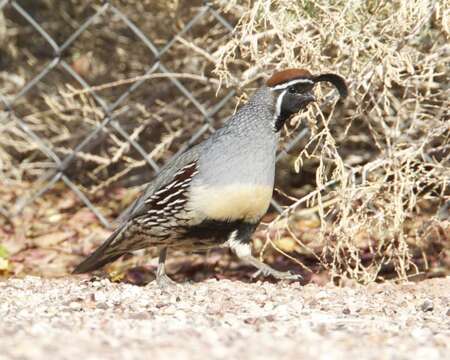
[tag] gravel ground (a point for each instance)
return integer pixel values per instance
(75, 319)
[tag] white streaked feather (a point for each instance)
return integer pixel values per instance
(167, 198)
(292, 82)
(241, 249)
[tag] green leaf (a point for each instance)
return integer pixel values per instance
(3, 252)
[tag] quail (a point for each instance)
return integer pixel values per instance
(215, 193)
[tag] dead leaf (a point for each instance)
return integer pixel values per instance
(286, 244)
(52, 239)
(4, 264)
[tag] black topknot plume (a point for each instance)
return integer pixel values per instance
(336, 80)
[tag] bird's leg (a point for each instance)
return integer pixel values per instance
(243, 250)
(162, 278)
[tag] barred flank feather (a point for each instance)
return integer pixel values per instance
(164, 205)
(148, 225)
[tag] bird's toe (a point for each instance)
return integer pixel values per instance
(165, 282)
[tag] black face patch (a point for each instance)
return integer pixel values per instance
(292, 101)
(300, 88)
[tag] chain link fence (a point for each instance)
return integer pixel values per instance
(60, 164)
(97, 96)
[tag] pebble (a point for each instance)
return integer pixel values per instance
(427, 305)
(75, 306)
(102, 305)
(100, 297)
(73, 320)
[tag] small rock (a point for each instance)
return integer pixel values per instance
(76, 306)
(346, 311)
(170, 310)
(427, 305)
(139, 275)
(102, 305)
(448, 312)
(99, 297)
(140, 316)
(251, 320)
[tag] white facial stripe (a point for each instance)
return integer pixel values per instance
(278, 104)
(293, 82)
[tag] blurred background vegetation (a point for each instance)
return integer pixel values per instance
(364, 195)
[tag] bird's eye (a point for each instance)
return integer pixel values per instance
(292, 90)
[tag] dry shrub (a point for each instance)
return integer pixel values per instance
(382, 158)
(110, 58)
(374, 173)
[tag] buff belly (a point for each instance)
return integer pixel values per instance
(212, 214)
(231, 202)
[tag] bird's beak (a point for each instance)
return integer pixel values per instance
(309, 98)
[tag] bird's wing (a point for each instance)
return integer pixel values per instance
(168, 200)
(152, 217)
(159, 181)
(165, 184)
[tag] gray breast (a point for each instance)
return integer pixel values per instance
(237, 170)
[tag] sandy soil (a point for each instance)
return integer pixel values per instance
(75, 319)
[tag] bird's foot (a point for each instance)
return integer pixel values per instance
(244, 252)
(279, 275)
(164, 281)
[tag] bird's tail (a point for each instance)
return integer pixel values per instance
(103, 255)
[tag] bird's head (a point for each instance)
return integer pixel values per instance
(293, 91)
